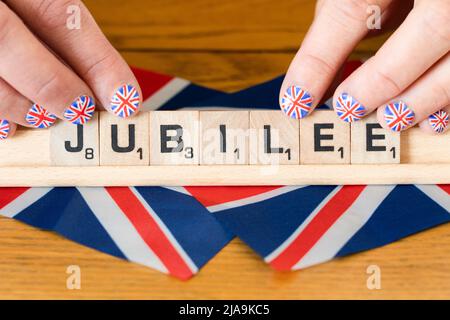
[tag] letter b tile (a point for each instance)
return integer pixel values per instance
(175, 138)
(124, 141)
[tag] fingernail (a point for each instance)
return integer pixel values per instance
(125, 101)
(398, 116)
(439, 121)
(349, 109)
(5, 128)
(296, 102)
(81, 110)
(40, 118)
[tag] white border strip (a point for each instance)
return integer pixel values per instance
(167, 92)
(120, 229)
(252, 199)
(23, 201)
(436, 194)
(166, 231)
(300, 229)
(346, 226)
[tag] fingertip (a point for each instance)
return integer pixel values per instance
(347, 107)
(7, 129)
(126, 100)
(81, 110)
(396, 116)
(436, 123)
(296, 102)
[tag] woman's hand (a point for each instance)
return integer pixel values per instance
(49, 70)
(406, 82)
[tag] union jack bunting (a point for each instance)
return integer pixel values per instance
(177, 230)
(125, 101)
(81, 110)
(160, 228)
(297, 227)
(439, 121)
(296, 102)
(40, 118)
(348, 109)
(5, 127)
(398, 116)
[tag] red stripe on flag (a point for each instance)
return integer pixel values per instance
(445, 187)
(324, 219)
(211, 196)
(150, 231)
(150, 82)
(8, 195)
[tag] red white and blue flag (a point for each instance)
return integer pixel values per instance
(125, 101)
(81, 110)
(296, 102)
(348, 109)
(178, 230)
(398, 116)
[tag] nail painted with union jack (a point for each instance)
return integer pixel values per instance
(296, 102)
(39, 118)
(5, 128)
(398, 116)
(349, 109)
(81, 110)
(125, 101)
(439, 121)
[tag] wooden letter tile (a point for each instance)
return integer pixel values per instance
(174, 137)
(324, 138)
(373, 144)
(274, 138)
(224, 137)
(75, 145)
(124, 141)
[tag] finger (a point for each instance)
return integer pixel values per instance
(425, 97)
(16, 108)
(337, 28)
(86, 50)
(408, 53)
(38, 75)
(437, 122)
(7, 129)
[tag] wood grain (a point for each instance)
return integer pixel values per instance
(203, 25)
(33, 263)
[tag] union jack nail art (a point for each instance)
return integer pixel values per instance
(349, 109)
(5, 127)
(40, 118)
(398, 116)
(80, 111)
(296, 102)
(439, 121)
(125, 101)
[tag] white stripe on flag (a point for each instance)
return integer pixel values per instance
(346, 226)
(293, 236)
(166, 231)
(252, 199)
(167, 92)
(120, 228)
(436, 194)
(178, 189)
(23, 201)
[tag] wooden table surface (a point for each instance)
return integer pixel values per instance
(227, 45)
